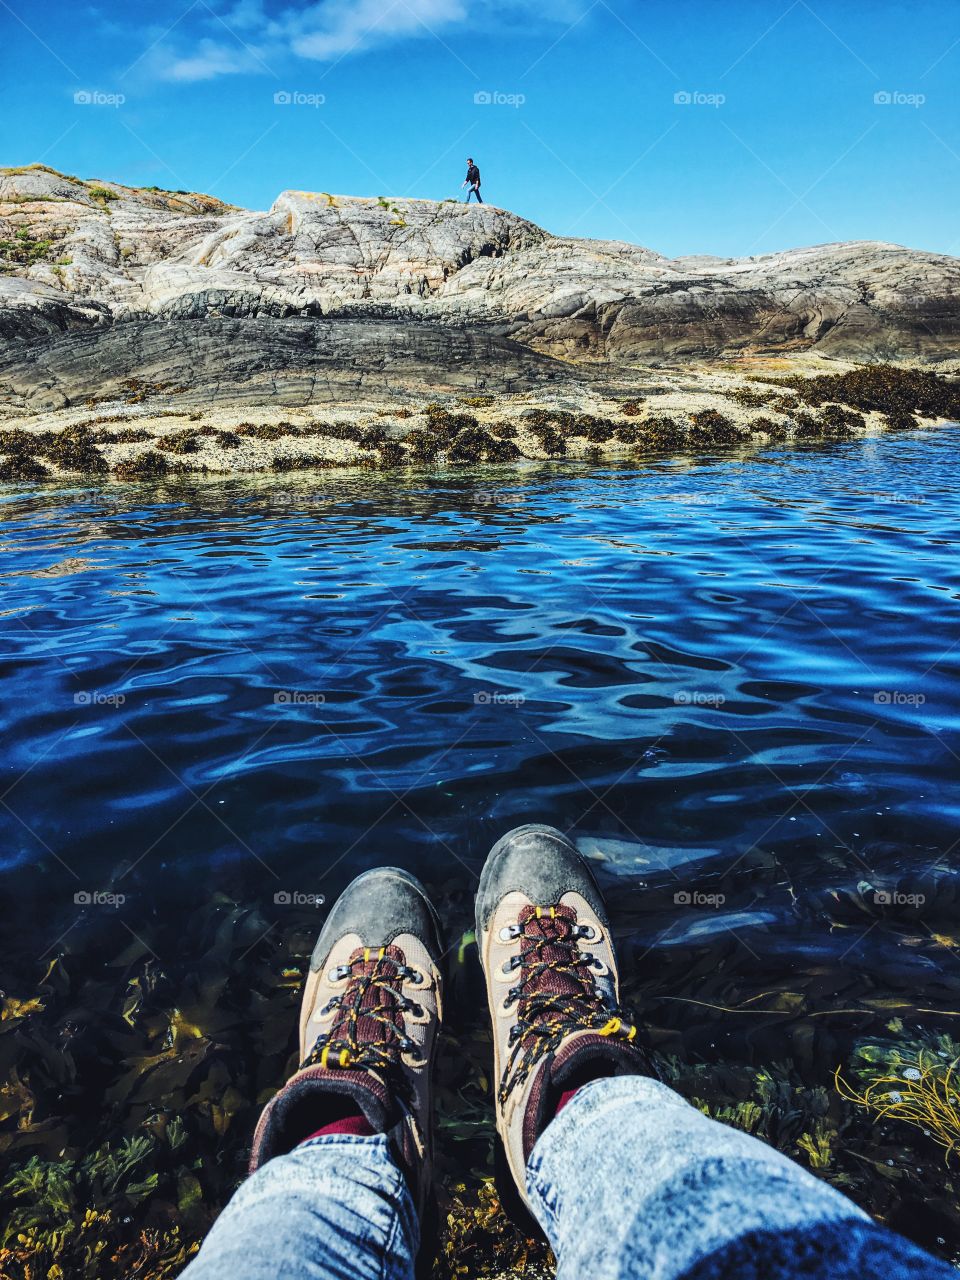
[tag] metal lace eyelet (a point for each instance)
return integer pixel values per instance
(338, 973)
(588, 932)
(509, 932)
(510, 997)
(514, 1034)
(513, 963)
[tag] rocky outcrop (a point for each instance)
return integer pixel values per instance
(321, 295)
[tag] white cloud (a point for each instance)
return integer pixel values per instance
(337, 27)
(249, 39)
(209, 60)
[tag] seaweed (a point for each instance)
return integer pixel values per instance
(881, 388)
(709, 426)
(27, 442)
(445, 425)
(631, 408)
(629, 433)
(662, 433)
(298, 462)
(73, 449)
(556, 420)
(751, 399)
(596, 430)
(914, 1084)
(126, 435)
(500, 450)
(900, 420)
(503, 430)
(180, 442)
(337, 431)
(391, 454)
(774, 430)
(372, 437)
(839, 421)
(423, 445)
(549, 439)
(806, 426)
(145, 466)
(20, 466)
(265, 430)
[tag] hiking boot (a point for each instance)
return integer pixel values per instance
(551, 977)
(368, 1023)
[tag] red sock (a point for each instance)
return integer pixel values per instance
(564, 1099)
(357, 1125)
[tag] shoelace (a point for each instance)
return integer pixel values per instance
(556, 994)
(368, 1031)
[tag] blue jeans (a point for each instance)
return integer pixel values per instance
(628, 1181)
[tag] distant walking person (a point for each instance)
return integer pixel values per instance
(472, 181)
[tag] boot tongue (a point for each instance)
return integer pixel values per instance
(370, 1012)
(546, 938)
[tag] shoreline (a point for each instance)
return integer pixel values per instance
(145, 434)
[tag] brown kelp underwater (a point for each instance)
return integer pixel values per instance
(132, 1069)
(902, 396)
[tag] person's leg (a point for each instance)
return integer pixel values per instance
(626, 1178)
(341, 1158)
(479, 196)
(629, 1180)
(334, 1208)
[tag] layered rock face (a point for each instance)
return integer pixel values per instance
(323, 296)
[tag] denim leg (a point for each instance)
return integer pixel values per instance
(629, 1180)
(334, 1208)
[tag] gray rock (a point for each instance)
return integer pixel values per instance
(321, 294)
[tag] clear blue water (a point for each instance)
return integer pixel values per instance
(734, 679)
(730, 676)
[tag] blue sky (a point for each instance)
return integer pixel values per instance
(690, 126)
